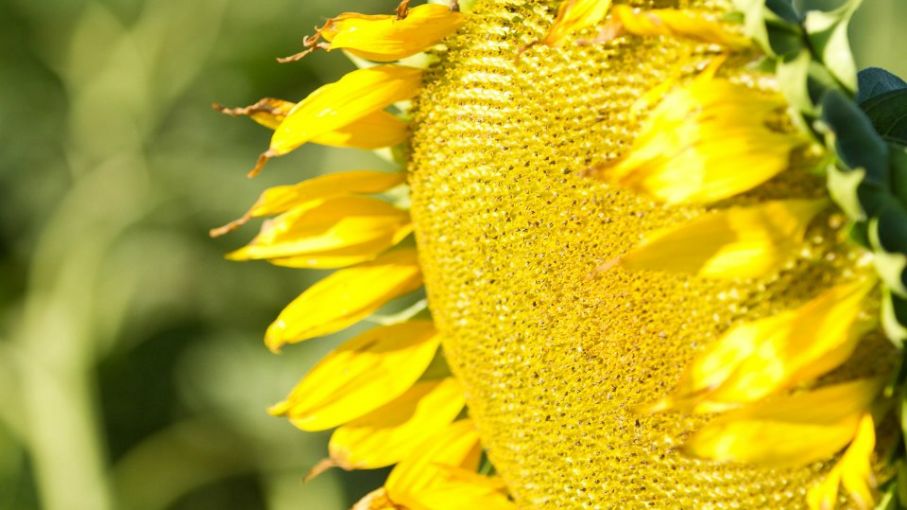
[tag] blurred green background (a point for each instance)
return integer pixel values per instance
(132, 374)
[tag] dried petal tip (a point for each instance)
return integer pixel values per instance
(269, 112)
(384, 38)
(319, 468)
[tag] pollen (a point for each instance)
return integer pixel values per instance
(556, 356)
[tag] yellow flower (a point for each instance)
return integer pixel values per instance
(696, 326)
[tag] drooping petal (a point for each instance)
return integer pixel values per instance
(789, 430)
(373, 131)
(854, 470)
(707, 141)
(739, 242)
(360, 376)
(344, 298)
(385, 38)
(573, 16)
(283, 198)
(679, 23)
(755, 359)
(394, 431)
(333, 106)
(361, 226)
(417, 475)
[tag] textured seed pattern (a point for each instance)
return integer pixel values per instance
(553, 356)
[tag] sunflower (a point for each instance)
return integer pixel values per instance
(663, 246)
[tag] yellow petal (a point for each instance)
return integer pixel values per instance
(283, 198)
(392, 432)
(739, 242)
(361, 375)
(575, 15)
(755, 359)
(359, 225)
(457, 495)
(424, 470)
(789, 430)
(387, 38)
(694, 144)
(373, 131)
(343, 257)
(344, 298)
(352, 98)
(376, 500)
(856, 464)
(680, 23)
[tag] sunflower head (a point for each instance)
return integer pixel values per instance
(661, 245)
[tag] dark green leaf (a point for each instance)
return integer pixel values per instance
(894, 317)
(786, 40)
(888, 113)
(856, 140)
(784, 10)
(899, 172)
(874, 81)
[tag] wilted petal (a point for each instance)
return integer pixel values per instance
(362, 375)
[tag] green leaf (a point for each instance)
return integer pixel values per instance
(888, 237)
(827, 33)
(899, 172)
(874, 81)
(792, 80)
(776, 35)
(843, 185)
(894, 317)
(888, 113)
(784, 9)
(785, 40)
(857, 143)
